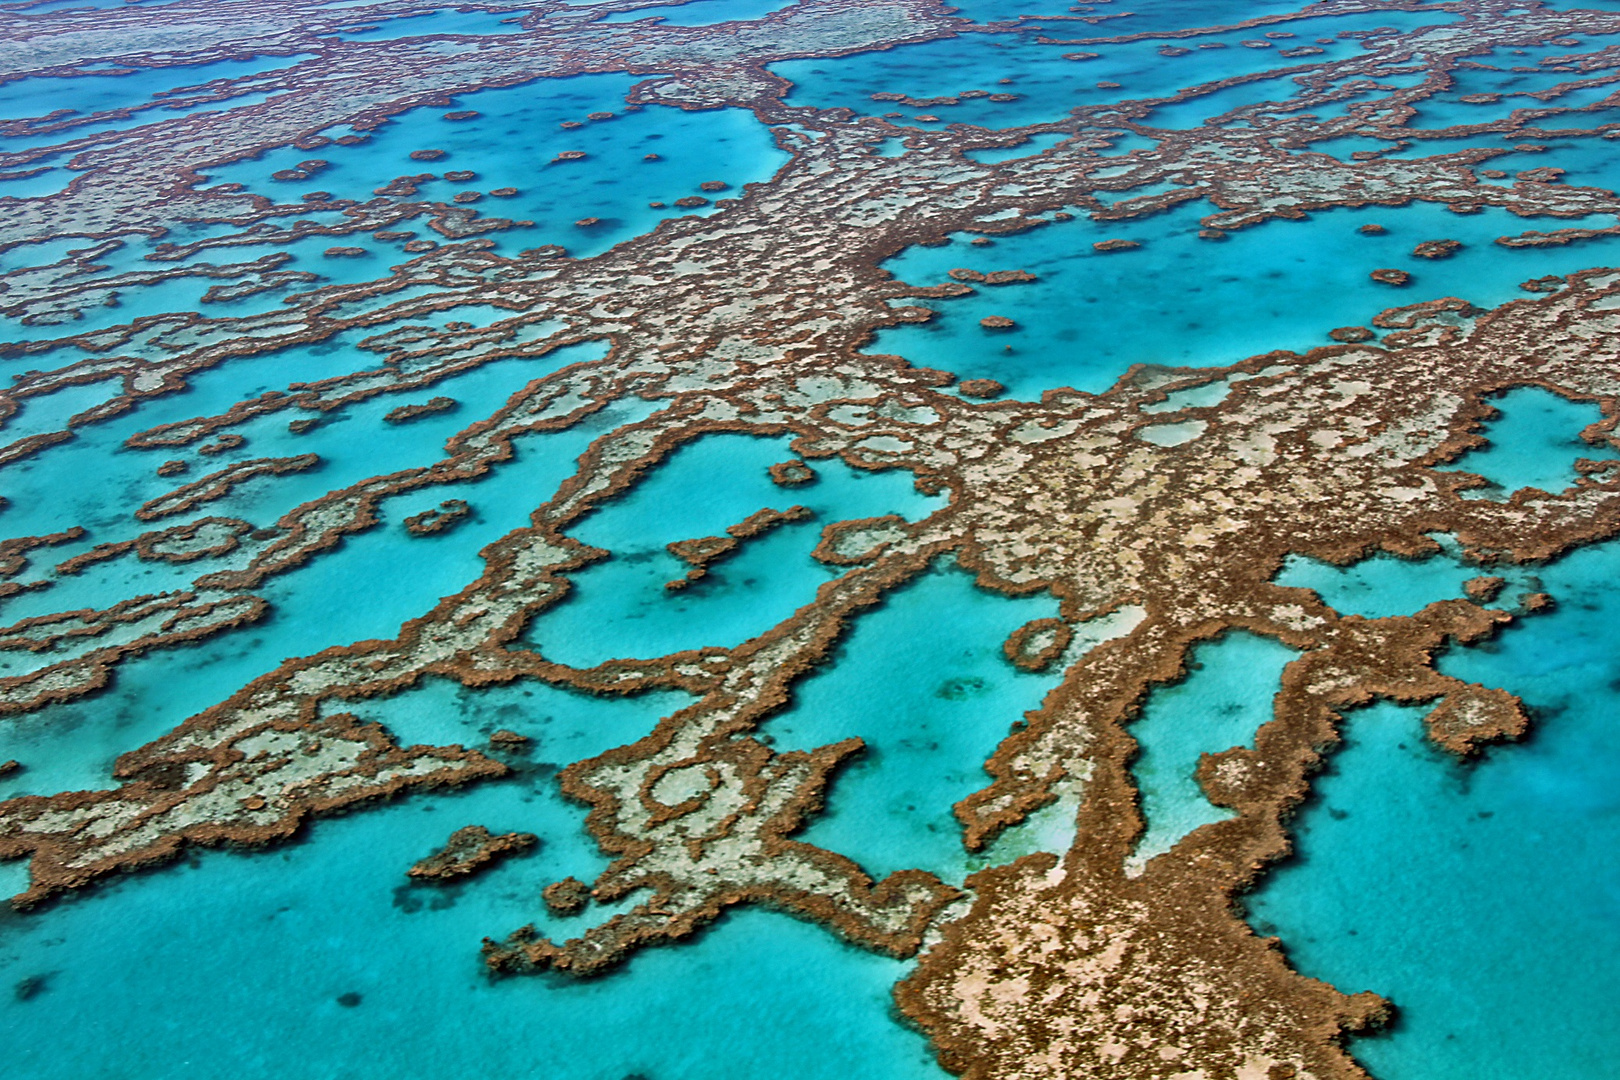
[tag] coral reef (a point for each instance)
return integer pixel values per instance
(468, 851)
(757, 316)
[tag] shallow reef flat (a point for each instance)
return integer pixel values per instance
(895, 539)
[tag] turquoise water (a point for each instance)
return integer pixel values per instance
(1470, 893)
(274, 942)
(1446, 109)
(620, 607)
(48, 182)
(147, 113)
(1183, 300)
(922, 679)
(1385, 585)
(1154, 16)
(437, 22)
(36, 503)
(990, 11)
(89, 5)
(96, 93)
(313, 947)
(1533, 443)
(1221, 703)
(1587, 120)
(51, 412)
(72, 746)
(355, 443)
(1209, 107)
(365, 572)
(1466, 893)
(1046, 84)
(701, 12)
(156, 113)
(1587, 162)
(1031, 146)
(565, 726)
(126, 478)
(1260, 98)
(514, 142)
(188, 293)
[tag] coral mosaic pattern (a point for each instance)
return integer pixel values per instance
(282, 279)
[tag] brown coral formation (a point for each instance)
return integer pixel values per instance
(762, 521)
(792, 473)
(468, 851)
(699, 554)
(1484, 589)
(254, 786)
(699, 799)
(404, 414)
(980, 388)
(1116, 981)
(1035, 645)
(994, 277)
(447, 515)
(566, 897)
(1437, 249)
(702, 551)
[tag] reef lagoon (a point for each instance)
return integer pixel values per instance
(753, 539)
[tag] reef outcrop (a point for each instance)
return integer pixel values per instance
(468, 851)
